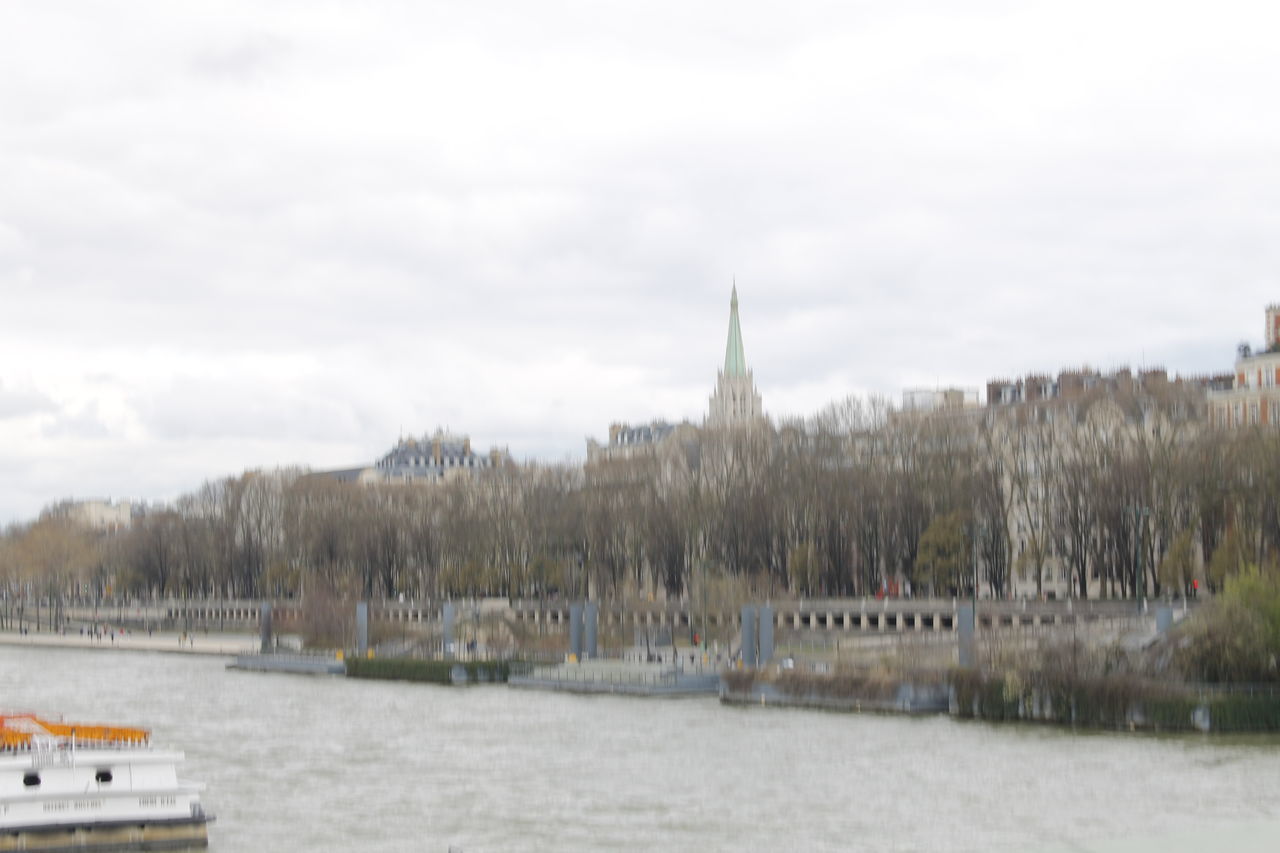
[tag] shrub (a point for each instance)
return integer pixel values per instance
(1236, 638)
(426, 671)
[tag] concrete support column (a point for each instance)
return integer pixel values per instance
(362, 627)
(264, 627)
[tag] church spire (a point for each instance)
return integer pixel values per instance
(736, 400)
(735, 362)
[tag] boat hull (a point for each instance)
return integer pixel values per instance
(99, 837)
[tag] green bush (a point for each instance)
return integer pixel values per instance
(1242, 713)
(426, 671)
(1236, 638)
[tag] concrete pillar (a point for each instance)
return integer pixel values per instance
(264, 627)
(575, 630)
(965, 636)
(766, 634)
(447, 619)
(748, 641)
(362, 628)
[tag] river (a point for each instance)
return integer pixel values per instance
(296, 763)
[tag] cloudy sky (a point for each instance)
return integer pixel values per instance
(244, 234)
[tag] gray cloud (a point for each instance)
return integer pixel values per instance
(16, 403)
(280, 231)
(244, 59)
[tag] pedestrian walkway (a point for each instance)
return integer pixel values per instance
(197, 643)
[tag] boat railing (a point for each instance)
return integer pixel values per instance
(27, 732)
(571, 674)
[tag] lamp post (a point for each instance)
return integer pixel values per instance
(703, 635)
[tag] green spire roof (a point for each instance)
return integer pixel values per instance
(735, 363)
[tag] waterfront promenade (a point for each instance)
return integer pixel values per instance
(194, 643)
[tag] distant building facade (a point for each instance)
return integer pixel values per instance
(939, 400)
(1253, 397)
(433, 458)
(736, 401)
(422, 461)
(98, 514)
(1085, 384)
(627, 441)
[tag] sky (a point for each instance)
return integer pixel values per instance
(255, 234)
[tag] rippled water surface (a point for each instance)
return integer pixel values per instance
(296, 763)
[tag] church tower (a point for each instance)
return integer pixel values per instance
(736, 400)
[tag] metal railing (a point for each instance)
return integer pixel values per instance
(572, 674)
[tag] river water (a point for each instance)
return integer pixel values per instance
(297, 763)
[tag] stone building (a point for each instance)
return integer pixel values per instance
(437, 457)
(102, 515)
(1253, 398)
(925, 400)
(627, 441)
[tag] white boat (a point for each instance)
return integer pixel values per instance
(88, 787)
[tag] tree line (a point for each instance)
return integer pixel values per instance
(1113, 495)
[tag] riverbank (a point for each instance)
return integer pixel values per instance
(223, 644)
(1114, 703)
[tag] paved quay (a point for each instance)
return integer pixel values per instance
(195, 643)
